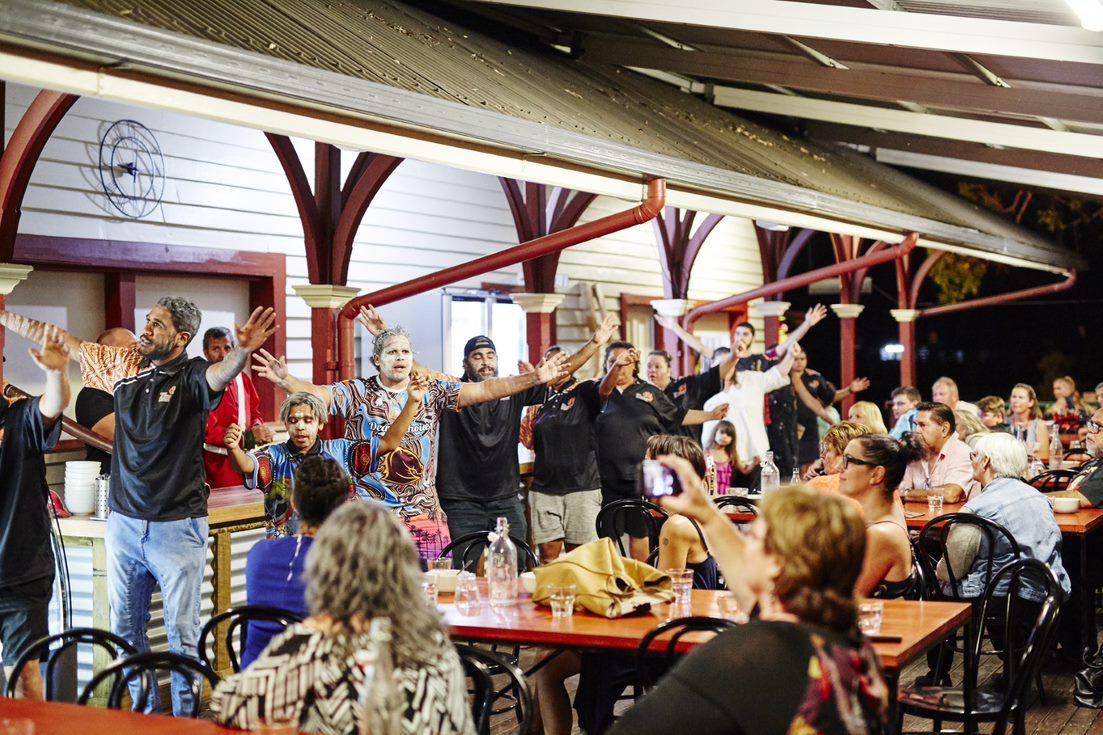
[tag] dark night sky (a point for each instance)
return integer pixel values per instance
(986, 350)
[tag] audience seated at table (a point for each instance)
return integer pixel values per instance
(993, 413)
(797, 569)
(363, 564)
(966, 424)
(873, 466)
(274, 568)
(1088, 483)
(945, 470)
(1026, 423)
(1067, 410)
(824, 474)
(868, 415)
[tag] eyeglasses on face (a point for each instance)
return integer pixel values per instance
(848, 460)
(1093, 426)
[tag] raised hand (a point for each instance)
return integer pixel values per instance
(627, 358)
(233, 436)
(262, 434)
(271, 368)
(256, 331)
(605, 330)
(371, 320)
(418, 386)
(665, 322)
(816, 314)
(551, 369)
(694, 502)
(524, 367)
(54, 355)
(859, 384)
(719, 412)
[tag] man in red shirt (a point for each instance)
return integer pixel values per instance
(240, 405)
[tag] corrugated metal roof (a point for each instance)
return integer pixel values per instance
(400, 46)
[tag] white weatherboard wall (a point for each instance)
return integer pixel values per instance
(224, 189)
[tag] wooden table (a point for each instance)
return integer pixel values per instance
(230, 510)
(1081, 532)
(56, 718)
(919, 624)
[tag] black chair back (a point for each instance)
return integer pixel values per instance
(655, 656)
(932, 547)
(1028, 626)
(614, 519)
(480, 666)
(238, 619)
(144, 667)
(1052, 481)
(737, 503)
(52, 648)
(468, 544)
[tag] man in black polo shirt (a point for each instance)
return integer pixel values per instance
(31, 427)
(157, 530)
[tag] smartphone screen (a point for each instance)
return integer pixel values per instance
(657, 481)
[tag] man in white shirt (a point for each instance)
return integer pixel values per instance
(947, 470)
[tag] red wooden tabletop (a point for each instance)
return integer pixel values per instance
(1077, 524)
(919, 624)
(55, 718)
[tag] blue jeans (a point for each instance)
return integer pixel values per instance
(172, 555)
(467, 516)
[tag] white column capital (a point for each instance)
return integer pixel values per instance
(325, 295)
(904, 316)
(676, 308)
(11, 275)
(538, 303)
(847, 311)
(769, 308)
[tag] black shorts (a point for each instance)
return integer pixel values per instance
(24, 616)
(628, 522)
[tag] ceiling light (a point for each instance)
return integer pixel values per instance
(1090, 13)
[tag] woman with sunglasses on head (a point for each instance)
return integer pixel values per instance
(873, 466)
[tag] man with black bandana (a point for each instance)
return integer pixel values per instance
(478, 474)
(31, 427)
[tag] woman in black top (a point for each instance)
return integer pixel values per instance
(801, 666)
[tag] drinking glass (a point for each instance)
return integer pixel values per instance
(16, 726)
(467, 593)
(681, 581)
(870, 614)
(429, 588)
(438, 565)
(934, 505)
(562, 598)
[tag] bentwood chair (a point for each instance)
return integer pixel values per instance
(1052, 481)
(1026, 627)
(481, 666)
(635, 516)
(658, 650)
(53, 649)
(469, 547)
(144, 668)
(737, 503)
(239, 619)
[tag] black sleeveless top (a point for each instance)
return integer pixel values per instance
(706, 574)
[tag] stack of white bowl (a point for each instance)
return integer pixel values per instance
(80, 486)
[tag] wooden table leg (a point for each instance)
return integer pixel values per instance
(101, 617)
(220, 598)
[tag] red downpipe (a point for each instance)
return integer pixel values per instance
(556, 241)
(799, 281)
(1026, 293)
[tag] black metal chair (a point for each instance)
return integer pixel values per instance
(1052, 481)
(144, 667)
(468, 543)
(1027, 628)
(238, 618)
(654, 656)
(481, 666)
(737, 503)
(617, 518)
(932, 546)
(53, 647)
(1079, 456)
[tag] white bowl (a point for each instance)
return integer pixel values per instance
(528, 582)
(446, 579)
(1065, 505)
(79, 500)
(84, 464)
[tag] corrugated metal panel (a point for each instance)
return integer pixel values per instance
(390, 43)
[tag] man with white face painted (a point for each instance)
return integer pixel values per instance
(405, 478)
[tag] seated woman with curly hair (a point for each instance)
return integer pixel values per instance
(362, 565)
(797, 568)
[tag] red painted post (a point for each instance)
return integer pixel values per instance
(908, 364)
(120, 300)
